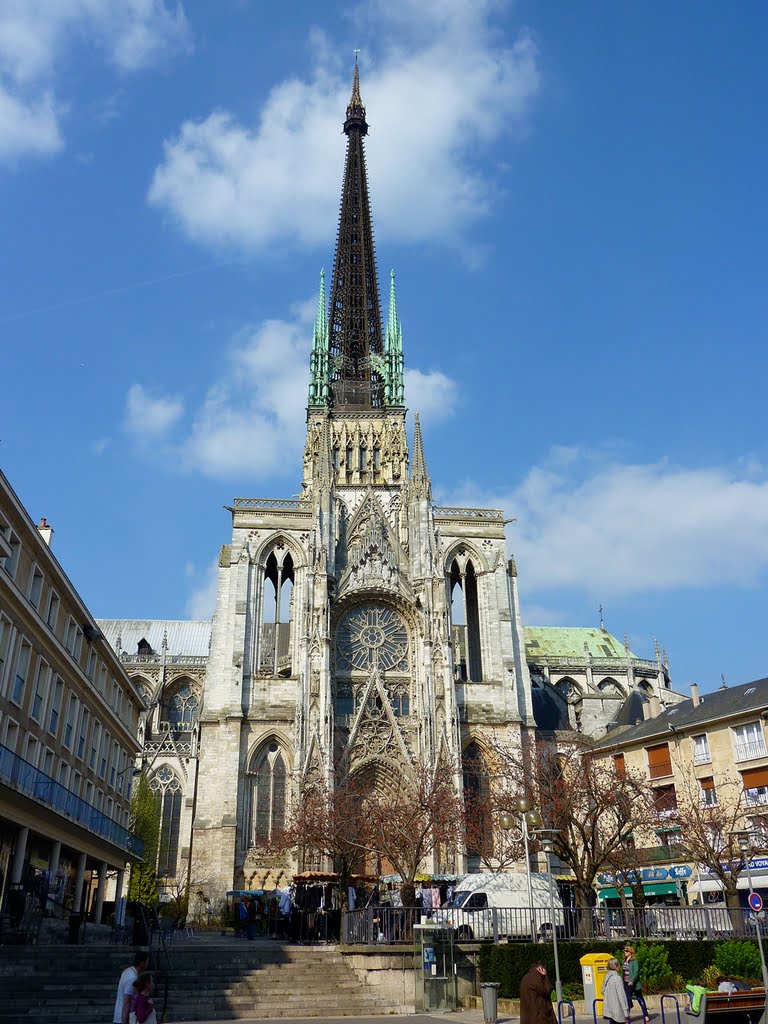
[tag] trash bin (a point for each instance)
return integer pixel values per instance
(75, 920)
(594, 967)
(490, 992)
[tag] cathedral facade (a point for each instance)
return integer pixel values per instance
(357, 623)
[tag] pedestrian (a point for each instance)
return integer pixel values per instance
(251, 929)
(142, 1006)
(615, 1004)
(125, 989)
(725, 984)
(634, 986)
(536, 996)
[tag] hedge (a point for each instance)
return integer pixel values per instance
(506, 963)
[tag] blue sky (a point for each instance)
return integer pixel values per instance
(572, 196)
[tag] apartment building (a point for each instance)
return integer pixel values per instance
(69, 718)
(711, 747)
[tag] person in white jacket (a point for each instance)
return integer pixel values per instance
(615, 1005)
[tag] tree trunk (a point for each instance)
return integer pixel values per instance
(584, 909)
(734, 907)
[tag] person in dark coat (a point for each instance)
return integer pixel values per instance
(536, 997)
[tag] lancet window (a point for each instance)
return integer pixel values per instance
(266, 780)
(477, 802)
(277, 614)
(465, 621)
(166, 785)
(182, 708)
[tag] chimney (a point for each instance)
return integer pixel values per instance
(647, 710)
(45, 531)
(695, 694)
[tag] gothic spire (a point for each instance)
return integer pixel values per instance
(318, 361)
(394, 390)
(419, 475)
(357, 367)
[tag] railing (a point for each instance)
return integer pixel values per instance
(751, 750)
(754, 798)
(170, 659)
(702, 757)
(25, 778)
(273, 503)
(605, 664)
(495, 514)
(394, 925)
(656, 854)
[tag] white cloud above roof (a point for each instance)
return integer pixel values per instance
(454, 90)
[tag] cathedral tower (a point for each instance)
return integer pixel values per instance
(357, 624)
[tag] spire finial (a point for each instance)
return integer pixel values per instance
(318, 363)
(393, 352)
(355, 107)
(602, 620)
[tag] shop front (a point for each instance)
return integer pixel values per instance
(667, 886)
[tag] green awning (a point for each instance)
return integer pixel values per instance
(651, 888)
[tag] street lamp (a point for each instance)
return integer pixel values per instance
(529, 818)
(743, 839)
(546, 837)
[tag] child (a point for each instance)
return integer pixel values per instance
(142, 1007)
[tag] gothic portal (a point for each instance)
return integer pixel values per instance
(358, 618)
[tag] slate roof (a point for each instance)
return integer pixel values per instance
(568, 642)
(185, 637)
(722, 703)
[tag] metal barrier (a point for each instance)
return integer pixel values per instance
(493, 924)
(594, 1009)
(676, 1001)
(560, 1005)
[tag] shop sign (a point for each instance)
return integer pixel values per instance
(680, 871)
(755, 864)
(653, 874)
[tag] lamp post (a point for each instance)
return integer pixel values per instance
(546, 837)
(529, 819)
(743, 839)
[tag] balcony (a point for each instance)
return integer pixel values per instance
(702, 757)
(750, 751)
(23, 777)
(659, 854)
(756, 797)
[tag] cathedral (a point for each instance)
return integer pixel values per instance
(356, 621)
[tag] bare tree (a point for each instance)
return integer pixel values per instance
(707, 826)
(593, 809)
(489, 793)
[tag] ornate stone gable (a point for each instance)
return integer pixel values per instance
(372, 557)
(375, 733)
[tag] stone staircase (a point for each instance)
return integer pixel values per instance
(213, 979)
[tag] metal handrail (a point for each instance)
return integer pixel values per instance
(676, 1001)
(560, 1005)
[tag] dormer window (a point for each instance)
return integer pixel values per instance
(144, 649)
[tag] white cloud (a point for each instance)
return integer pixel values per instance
(29, 128)
(201, 602)
(432, 395)
(277, 180)
(252, 421)
(34, 35)
(149, 418)
(604, 526)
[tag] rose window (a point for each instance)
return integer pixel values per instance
(372, 636)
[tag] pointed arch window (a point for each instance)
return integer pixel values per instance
(267, 780)
(465, 621)
(183, 709)
(275, 656)
(477, 803)
(166, 785)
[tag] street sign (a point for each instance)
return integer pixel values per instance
(756, 901)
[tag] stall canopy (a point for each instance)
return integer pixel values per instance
(652, 889)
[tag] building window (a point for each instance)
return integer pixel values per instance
(94, 751)
(35, 587)
(22, 673)
(619, 766)
(665, 801)
(41, 688)
(69, 725)
(267, 779)
(275, 657)
(167, 786)
(465, 621)
(81, 739)
(104, 756)
(5, 641)
(10, 562)
(183, 709)
(708, 793)
(52, 615)
(701, 754)
(58, 694)
(755, 781)
(659, 761)
(749, 741)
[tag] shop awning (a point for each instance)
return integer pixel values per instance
(651, 889)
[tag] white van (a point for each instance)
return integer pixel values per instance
(487, 905)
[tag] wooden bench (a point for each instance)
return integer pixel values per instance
(731, 1007)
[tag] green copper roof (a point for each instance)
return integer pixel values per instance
(568, 642)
